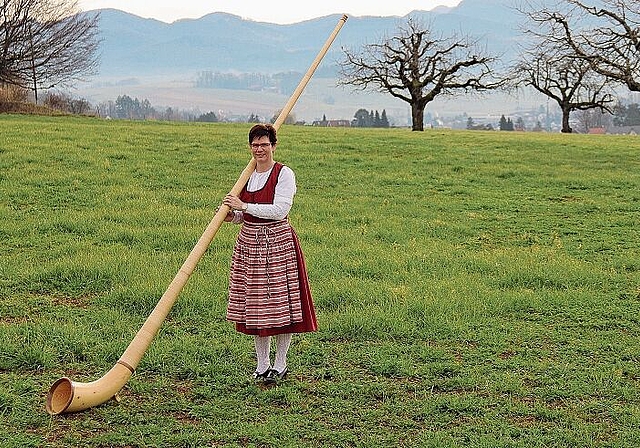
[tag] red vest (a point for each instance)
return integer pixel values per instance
(265, 195)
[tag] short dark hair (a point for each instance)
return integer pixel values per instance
(262, 129)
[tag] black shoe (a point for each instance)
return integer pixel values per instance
(260, 377)
(273, 376)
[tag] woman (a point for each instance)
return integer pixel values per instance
(269, 292)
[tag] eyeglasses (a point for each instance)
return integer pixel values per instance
(260, 145)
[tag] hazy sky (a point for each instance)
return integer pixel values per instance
(273, 11)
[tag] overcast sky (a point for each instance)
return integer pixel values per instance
(273, 11)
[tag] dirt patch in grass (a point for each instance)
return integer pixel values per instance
(186, 419)
(76, 302)
(13, 320)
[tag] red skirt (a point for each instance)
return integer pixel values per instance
(269, 289)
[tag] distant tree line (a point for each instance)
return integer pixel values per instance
(241, 81)
(370, 119)
(209, 117)
(132, 108)
(128, 108)
(626, 115)
(283, 83)
(506, 124)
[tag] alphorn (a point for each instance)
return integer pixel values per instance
(67, 396)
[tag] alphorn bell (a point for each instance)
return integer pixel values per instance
(70, 396)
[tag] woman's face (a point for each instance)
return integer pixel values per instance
(262, 149)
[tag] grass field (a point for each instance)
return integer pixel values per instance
(473, 289)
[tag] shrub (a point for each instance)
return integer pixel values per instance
(13, 94)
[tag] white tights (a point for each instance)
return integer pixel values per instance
(263, 348)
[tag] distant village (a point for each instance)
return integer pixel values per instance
(546, 118)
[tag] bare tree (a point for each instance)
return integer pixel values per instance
(416, 66)
(46, 43)
(562, 77)
(606, 33)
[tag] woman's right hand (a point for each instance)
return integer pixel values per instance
(229, 216)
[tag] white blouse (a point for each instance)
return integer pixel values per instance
(283, 198)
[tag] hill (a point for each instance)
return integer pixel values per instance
(134, 46)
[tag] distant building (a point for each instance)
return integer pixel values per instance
(332, 123)
(339, 123)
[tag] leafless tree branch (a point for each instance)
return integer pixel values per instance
(607, 35)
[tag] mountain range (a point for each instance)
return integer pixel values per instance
(132, 45)
(160, 61)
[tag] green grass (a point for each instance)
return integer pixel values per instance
(473, 289)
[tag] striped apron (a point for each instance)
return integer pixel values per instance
(269, 289)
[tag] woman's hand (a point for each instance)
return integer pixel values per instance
(234, 202)
(229, 216)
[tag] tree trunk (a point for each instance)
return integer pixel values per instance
(35, 88)
(417, 117)
(34, 75)
(565, 121)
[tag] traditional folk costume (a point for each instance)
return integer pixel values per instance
(269, 291)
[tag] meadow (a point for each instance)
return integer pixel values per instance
(473, 289)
